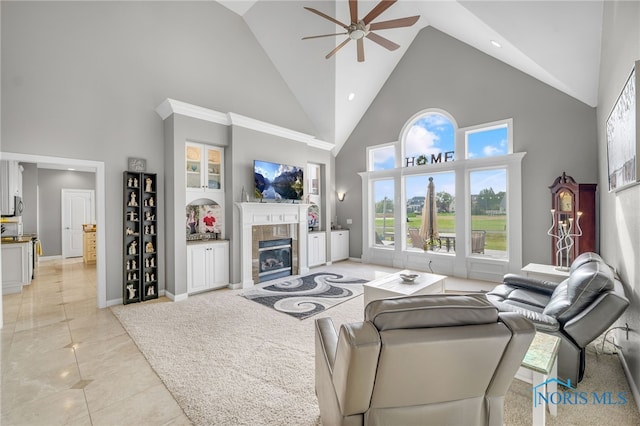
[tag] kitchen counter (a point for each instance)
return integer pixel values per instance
(16, 240)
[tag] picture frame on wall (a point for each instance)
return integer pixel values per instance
(622, 136)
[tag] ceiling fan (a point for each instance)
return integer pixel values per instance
(358, 29)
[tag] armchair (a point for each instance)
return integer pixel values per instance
(420, 360)
(577, 310)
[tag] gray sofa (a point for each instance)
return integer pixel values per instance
(434, 359)
(577, 310)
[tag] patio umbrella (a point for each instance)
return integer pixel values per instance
(429, 227)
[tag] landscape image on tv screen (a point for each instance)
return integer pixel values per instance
(276, 181)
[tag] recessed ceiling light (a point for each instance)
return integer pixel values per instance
(495, 43)
(351, 96)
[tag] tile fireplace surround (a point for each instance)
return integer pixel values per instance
(269, 221)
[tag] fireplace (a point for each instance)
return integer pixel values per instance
(272, 223)
(274, 259)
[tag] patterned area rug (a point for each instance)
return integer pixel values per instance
(308, 295)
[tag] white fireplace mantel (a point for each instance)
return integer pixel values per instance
(254, 214)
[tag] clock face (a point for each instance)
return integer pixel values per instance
(566, 202)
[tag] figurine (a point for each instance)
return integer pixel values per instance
(133, 264)
(147, 277)
(132, 216)
(150, 291)
(132, 291)
(145, 203)
(135, 276)
(129, 276)
(130, 231)
(148, 181)
(129, 182)
(132, 200)
(153, 230)
(128, 265)
(135, 182)
(133, 247)
(152, 264)
(149, 247)
(151, 202)
(153, 277)
(149, 216)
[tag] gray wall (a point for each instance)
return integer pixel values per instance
(82, 80)
(620, 220)
(51, 183)
(557, 132)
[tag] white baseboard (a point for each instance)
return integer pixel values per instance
(114, 302)
(45, 258)
(175, 298)
(356, 259)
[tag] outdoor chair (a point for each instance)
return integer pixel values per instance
(478, 241)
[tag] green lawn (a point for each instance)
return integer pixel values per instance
(496, 238)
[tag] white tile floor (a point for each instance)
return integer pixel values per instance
(66, 362)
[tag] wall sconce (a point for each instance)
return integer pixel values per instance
(341, 196)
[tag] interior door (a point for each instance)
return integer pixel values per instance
(77, 209)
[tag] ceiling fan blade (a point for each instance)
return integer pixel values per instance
(353, 11)
(386, 43)
(376, 11)
(360, 50)
(324, 35)
(317, 12)
(394, 23)
(338, 47)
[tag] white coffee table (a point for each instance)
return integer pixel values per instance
(392, 286)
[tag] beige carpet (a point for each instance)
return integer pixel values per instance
(230, 361)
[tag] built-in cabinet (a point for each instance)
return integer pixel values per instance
(10, 186)
(140, 237)
(204, 167)
(207, 265)
(339, 245)
(316, 248)
(16, 266)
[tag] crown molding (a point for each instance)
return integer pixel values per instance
(171, 106)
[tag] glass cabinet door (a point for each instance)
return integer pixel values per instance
(214, 168)
(194, 167)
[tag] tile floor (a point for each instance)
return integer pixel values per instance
(66, 362)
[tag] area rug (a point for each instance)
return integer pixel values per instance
(305, 296)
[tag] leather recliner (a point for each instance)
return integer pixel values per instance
(432, 359)
(577, 310)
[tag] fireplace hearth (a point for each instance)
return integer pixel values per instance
(274, 259)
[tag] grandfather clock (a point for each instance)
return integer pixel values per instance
(573, 211)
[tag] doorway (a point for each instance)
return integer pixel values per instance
(98, 168)
(77, 210)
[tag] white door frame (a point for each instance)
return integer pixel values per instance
(98, 168)
(63, 213)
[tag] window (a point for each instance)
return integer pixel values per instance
(488, 141)
(426, 228)
(429, 139)
(383, 209)
(382, 157)
(488, 201)
(478, 223)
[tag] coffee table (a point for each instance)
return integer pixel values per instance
(392, 286)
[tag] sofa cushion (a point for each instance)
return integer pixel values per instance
(430, 311)
(586, 282)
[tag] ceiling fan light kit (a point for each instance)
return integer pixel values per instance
(359, 29)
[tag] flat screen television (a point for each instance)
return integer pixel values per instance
(276, 181)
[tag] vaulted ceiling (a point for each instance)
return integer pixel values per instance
(557, 42)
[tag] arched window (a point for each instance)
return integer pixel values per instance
(446, 196)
